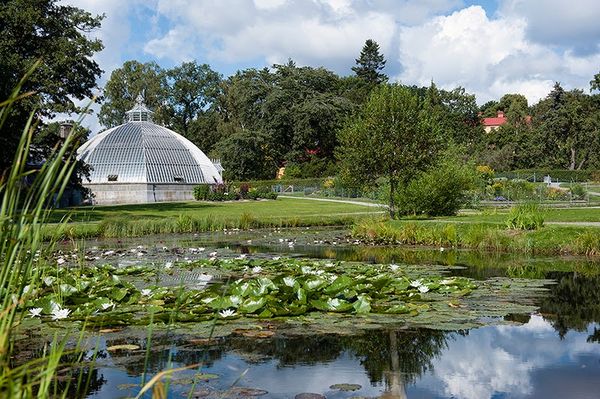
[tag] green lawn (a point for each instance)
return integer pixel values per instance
(187, 217)
(583, 214)
(280, 208)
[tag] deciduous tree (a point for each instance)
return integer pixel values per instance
(59, 36)
(388, 138)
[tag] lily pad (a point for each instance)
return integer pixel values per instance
(346, 387)
(123, 347)
(309, 395)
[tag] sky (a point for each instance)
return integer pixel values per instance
(489, 47)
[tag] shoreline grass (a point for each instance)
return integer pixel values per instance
(196, 217)
(483, 236)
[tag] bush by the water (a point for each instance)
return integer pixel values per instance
(440, 191)
(525, 217)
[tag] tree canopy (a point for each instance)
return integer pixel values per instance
(388, 138)
(58, 35)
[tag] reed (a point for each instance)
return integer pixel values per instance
(23, 212)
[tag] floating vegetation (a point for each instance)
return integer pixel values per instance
(237, 293)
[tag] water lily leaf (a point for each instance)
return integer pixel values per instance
(339, 284)
(346, 387)
(398, 309)
(251, 305)
(123, 347)
(463, 292)
(67, 290)
(301, 295)
(314, 284)
(332, 305)
(265, 314)
(117, 294)
(362, 304)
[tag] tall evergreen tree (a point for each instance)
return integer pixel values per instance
(370, 63)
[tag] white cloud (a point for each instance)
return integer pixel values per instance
(326, 33)
(489, 57)
(175, 45)
(572, 24)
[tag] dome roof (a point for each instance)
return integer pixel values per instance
(140, 151)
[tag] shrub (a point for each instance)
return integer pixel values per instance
(439, 191)
(201, 192)
(578, 191)
(525, 217)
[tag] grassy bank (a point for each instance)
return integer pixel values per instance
(191, 217)
(481, 236)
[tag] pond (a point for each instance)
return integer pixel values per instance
(553, 352)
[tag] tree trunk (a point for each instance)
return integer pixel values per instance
(572, 166)
(396, 384)
(393, 186)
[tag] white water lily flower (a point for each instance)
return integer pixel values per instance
(442, 249)
(276, 257)
(201, 249)
(107, 305)
(256, 269)
(213, 254)
(242, 256)
(416, 283)
(61, 261)
(227, 313)
(423, 289)
(58, 313)
(168, 265)
(212, 258)
(394, 267)
(146, 292)
(329, 264)
(35, 312)
(281, 240)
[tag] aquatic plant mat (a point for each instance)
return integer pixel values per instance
(259, 298)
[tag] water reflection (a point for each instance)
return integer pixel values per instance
(528, 360)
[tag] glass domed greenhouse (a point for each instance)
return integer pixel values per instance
(139, 162)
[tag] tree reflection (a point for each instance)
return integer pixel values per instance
(573, 302)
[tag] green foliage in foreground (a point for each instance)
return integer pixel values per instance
(481, 236)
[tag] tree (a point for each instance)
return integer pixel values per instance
(192, 91)
(595, 82)
(388, 138)
(562, 122)
(49, 139)
(370, 63)
(58, 35)
(245, 155)
(125, 84)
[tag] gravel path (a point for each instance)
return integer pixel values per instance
(371, 204)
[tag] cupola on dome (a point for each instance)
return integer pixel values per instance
(140, 152)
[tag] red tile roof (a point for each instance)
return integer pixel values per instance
(496, 121)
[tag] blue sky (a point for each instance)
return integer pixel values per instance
(490, 47)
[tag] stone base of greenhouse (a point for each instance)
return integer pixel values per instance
(140, 193)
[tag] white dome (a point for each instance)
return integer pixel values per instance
(142, 152)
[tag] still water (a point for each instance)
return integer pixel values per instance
(554, 353)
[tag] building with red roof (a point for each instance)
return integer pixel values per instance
(490, 124)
